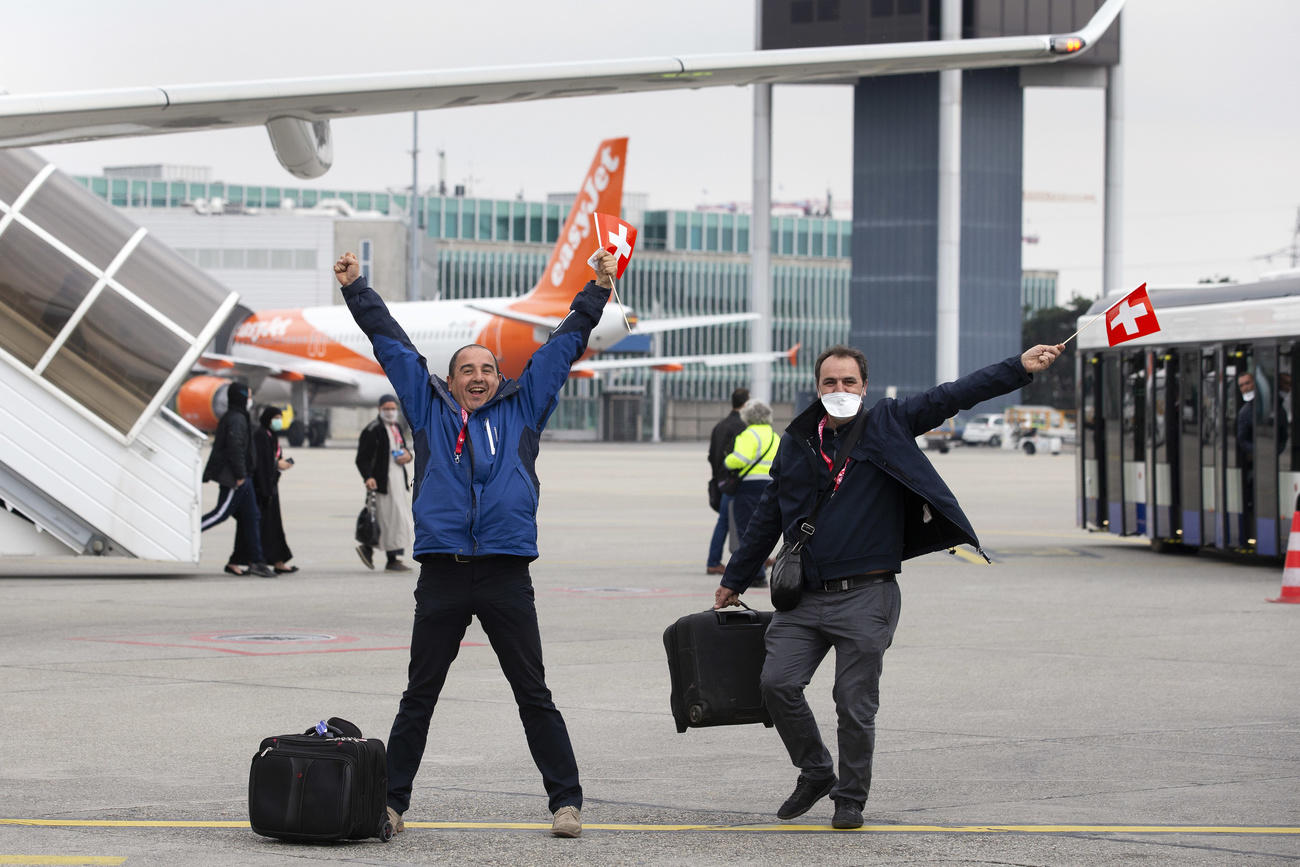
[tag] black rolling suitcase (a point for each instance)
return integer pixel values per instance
(714, 661)
(329, 783)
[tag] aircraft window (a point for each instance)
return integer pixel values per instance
(91, 227)
(174, 287)
(39, 290)
(116, 360)
(16, 171)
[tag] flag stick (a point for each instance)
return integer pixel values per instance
(601, 246)
(1095, 318)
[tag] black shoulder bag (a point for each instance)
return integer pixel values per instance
(786, 580)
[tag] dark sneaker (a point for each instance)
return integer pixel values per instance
(848, 814)
(806, 793)
(366, 555)
(261, 569)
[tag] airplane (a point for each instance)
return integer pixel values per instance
(323, 352)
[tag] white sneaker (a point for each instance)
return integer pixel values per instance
(568, 822)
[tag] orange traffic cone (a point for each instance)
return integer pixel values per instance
(1291, 571)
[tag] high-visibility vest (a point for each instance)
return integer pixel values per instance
(753, 441)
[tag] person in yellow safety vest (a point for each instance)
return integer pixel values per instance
(751, 457)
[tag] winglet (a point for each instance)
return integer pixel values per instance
(793, 354)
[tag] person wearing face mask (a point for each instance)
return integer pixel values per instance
(751, 456)
(885, 504)
(476, 436)
(230, 465)
(268, 464)
(382, 458)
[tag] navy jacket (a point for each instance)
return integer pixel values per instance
(932, 519)
(485, 503)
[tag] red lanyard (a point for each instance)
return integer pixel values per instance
(460, 438)
(830, 464)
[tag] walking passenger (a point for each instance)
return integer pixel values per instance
(720, 440)
(382, 457)
(885, 505)
(751, 457)
(478, 435)
(230, 465)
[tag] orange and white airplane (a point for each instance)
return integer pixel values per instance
(322, 348)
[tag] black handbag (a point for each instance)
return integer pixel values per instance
(368, 523)
(785, 582)
(715, 496)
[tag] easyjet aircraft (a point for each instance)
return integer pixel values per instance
(323, 348)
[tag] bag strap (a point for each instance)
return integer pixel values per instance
(809, 525)
(758, 455)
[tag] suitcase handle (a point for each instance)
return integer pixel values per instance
(748, 617)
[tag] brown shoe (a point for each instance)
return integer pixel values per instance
(715, 570)
(568, 822)
(396, 818)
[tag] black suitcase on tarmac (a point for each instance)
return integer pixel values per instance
(714, 661)
(329, 783)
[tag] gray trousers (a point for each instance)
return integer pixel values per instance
(859, 624)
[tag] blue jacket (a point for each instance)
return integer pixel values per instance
(485, 503)
(932, 519)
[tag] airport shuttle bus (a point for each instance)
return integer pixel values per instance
(1169, 447)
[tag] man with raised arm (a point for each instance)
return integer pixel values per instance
(476, 438)
(885, 504)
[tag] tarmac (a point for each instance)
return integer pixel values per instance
(1080, 701)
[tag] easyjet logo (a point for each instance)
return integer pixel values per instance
(254, 330)
(580, 227)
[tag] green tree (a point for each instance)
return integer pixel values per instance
(1055, 387)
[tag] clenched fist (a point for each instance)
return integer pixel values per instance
(606, 268)
(1038, 358)
(347, 269)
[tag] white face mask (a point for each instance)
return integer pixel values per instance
(842, 404)
(1248, 395)
(389, 415)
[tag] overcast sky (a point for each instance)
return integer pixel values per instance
(1211, 139)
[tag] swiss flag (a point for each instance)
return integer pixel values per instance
(1131, 317)
(617, 237)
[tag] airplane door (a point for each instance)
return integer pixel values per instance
(1188, 499)
(1165, 516)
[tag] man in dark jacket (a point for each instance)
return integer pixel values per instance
(720, 442)
(476, 438)
(231, 466)
(888, 504)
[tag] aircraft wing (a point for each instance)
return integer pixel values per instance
(675, 323)
(296, 111)
(256, 371)
(674, 363)
(547, 322)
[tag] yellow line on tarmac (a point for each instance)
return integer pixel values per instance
(769, 828)
(62, 859)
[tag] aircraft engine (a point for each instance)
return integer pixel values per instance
(201, 401)
(304, 147)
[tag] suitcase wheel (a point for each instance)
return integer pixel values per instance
(696, 713)
(386, 831)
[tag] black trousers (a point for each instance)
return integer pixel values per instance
(499, 591)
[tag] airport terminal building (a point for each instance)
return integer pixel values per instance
(274, 246)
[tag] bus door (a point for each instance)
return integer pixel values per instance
(1264, 495)
(1288, 449)
(1133, 442)
(1166, 518)
(1112, 454)
(1092, 443)
(1211, 463)
(1238, 449)
(1188, 496)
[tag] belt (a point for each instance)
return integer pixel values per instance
(852, 582)
(455, 558)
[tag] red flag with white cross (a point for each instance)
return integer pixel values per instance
(617, 237)
(1131, 317)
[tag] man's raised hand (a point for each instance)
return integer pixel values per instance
(606, 268)
(1038, 358)
(347, 269)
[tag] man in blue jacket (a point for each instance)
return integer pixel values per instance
(476, 438)
(888, 504)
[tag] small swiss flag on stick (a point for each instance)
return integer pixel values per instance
(617, 237)
(1131, 317)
